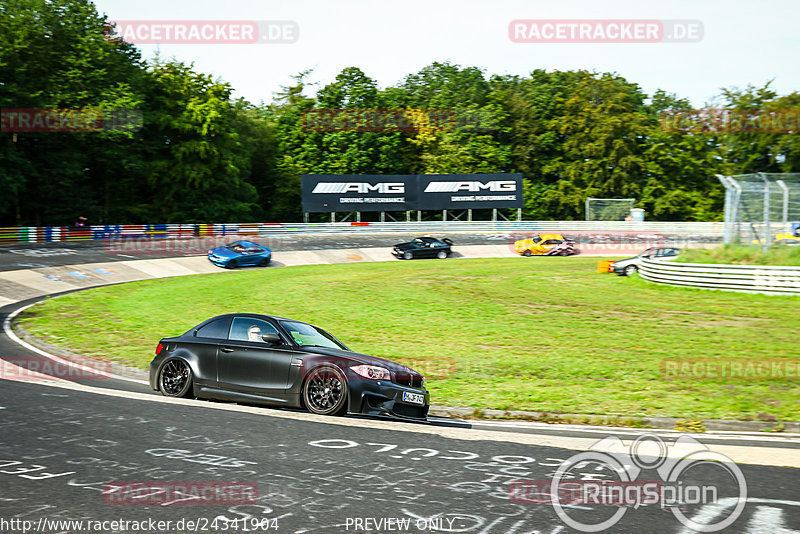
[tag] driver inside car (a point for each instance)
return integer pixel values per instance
(254, 333)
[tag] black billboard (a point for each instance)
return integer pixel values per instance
(469, 191)
(351, 192)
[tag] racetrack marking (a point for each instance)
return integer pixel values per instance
(10, 333)
(770, 456)
(766, 519)
(721, 435)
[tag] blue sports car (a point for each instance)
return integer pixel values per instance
(240, 253)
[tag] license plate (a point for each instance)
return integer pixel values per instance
(413, 398)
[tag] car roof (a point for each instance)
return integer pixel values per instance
(252, 315)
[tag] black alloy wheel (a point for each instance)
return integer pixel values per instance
(325, 391)
(175, 379)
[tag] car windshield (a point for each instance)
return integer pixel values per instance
(241, 246)
(310, 336)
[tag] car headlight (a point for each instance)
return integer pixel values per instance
(372, 371)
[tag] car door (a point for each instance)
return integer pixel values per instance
(428, 249)
(247, 364)
(205, 345)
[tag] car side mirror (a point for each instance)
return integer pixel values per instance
(272, 338)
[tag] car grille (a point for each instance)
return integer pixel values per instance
(412, 380)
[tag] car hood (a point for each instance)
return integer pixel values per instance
(224, 252)
(626, 261)
(360, 358)
(404, 246)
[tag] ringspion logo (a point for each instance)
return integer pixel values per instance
(684, 469)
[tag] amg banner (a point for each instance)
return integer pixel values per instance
(463, 191)
(347, 192)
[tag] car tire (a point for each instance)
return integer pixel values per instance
(527, 253)
(325, 391)
(175, 379)
(408, 255)
(264, 262)
(231, 264)
(441, 254)
(630, 269)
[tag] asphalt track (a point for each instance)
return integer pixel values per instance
(65, 440)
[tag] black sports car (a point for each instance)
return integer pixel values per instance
(264, 359)
(423, 247)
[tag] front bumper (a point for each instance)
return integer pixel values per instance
(381, 397)
(219, 261)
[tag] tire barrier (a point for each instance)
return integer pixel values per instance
(771, 280)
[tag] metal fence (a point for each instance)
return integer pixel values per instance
(707, 232)
(743, 278)
(608, 209)
(761, 209)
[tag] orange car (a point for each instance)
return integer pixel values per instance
(546, 245)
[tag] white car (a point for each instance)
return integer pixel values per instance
(628, 266)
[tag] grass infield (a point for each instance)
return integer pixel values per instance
(542, 334)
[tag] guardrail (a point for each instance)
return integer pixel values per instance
(773, 280)
(33, 234)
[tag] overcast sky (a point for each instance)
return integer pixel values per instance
(743, 42)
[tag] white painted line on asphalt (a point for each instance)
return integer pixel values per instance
(741, 454)
(10, 333)
(771, 438)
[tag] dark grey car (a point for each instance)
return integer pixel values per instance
(423, 247)
(266, 359)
